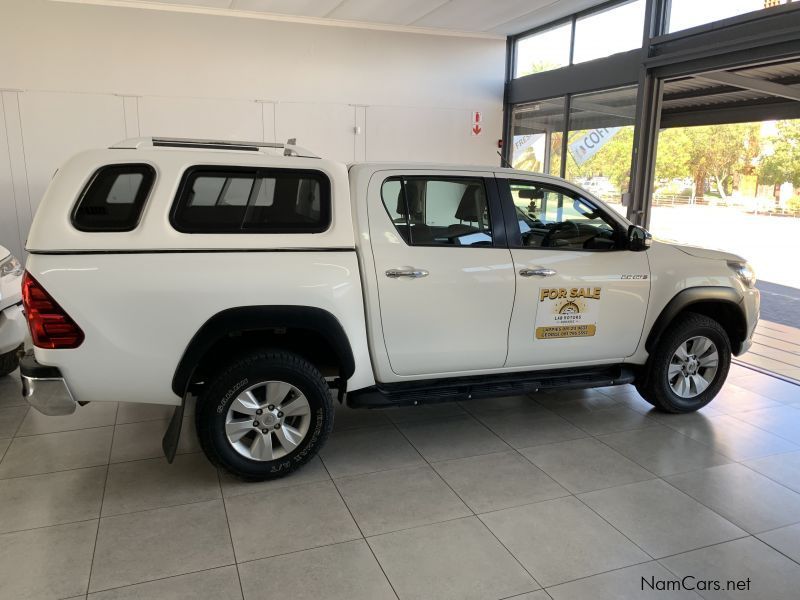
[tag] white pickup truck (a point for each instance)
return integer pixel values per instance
(261, 279)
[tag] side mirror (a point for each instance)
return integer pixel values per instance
(639, 239)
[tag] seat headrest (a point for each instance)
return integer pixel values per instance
(472, 205)
(409, 205)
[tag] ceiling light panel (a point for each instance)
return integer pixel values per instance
(300, 8)
(479, 15)
(394, 12)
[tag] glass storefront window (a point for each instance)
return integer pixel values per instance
(600, 143)
(537, 129)
(684, 14)
(609, 31)
(543, 51)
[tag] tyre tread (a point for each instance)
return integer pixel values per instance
(274, 357)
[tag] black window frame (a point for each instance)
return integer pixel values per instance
(512, 226)
(148, 173)
(494, 205)
(195, 171)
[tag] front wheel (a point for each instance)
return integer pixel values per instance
(688, 366)
(265, 415)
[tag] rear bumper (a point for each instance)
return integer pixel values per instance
(44, 388)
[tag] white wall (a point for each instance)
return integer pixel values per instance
(80, 76)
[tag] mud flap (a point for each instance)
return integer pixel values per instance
(173, 434)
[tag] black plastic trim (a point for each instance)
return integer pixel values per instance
(451, 389)
(688, 297)
(255, 318)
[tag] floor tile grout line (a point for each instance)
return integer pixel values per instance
(145, 581)
(658, 560)
(718, 451)
(475, 515)
(616, 569)
(363, 537)
(610, 524)
(784, 486)
(230, 534)
(766, 430)
(51, 526)
(27, 435)
(102, 500)
(704, 547)
(778, 550)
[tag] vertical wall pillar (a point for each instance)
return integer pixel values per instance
(644, 149)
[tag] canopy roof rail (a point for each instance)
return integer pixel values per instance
(290, 148)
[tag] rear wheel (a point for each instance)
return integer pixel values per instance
(265, 415)
(9, 362)
(688, 366)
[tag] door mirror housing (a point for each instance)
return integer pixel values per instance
(639, 239)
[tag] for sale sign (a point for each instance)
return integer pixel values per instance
(567, 312)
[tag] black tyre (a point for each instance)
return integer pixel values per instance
(265, 415)
(688, 366)
(9, 362)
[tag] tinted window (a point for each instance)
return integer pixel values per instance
(553, 218)
(435, 211)
(252, 201)
(114, 198)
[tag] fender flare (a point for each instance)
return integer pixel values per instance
(692, 296)
(254, 318)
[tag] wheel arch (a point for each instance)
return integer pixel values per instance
(310, 331)
(722, 304)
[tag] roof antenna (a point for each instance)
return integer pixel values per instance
(503, 160)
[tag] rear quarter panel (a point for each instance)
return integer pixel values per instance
(140, 310)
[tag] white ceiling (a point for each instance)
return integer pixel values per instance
(476, 17)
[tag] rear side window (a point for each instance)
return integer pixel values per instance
(242, 200)
(114, 198)
(439, 211)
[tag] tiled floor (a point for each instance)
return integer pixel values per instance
(776, 348)
(579, 495)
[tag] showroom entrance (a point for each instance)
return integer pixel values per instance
(686, 127)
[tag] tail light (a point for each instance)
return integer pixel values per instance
(51, 327)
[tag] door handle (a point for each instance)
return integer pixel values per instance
(410, 272)
(539, 272)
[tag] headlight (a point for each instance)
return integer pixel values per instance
(744, 272)
(10, 266)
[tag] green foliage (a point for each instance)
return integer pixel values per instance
(784, 162)
(612, 161)
(538, 67)
(715, 151)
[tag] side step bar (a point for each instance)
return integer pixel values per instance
(488, 386)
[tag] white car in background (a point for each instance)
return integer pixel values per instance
(13, 327)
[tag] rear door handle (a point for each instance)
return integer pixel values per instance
(539, 272)
(410, 272)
